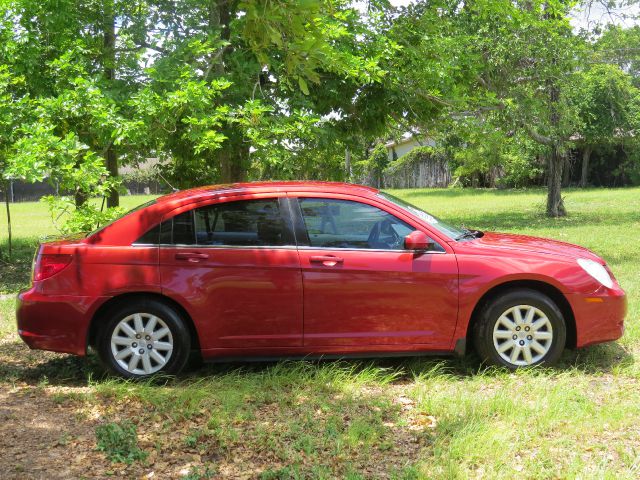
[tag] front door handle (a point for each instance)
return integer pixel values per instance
(191, 256)
(326, 260)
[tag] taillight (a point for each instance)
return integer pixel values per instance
(48, 265)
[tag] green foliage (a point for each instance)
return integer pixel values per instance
(300, 146)
(371, 170)
(39, 154)
(70, 166)
(234, 93)
(607, 105)
(417, 155)
(483, 155)
(619, 45)
(141, 175)
(379, 158)
(70, 218)
(119, 441)
(217, 90)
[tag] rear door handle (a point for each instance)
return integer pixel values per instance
(191, 256)
(326, 260)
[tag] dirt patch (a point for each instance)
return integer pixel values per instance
(49, 413)
(41, 438)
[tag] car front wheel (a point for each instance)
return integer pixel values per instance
(144, 338)
(520, 328)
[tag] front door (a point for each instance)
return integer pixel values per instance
(235, 268)
(362, 288)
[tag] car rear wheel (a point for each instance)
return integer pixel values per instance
(144, 338)
(520, 328)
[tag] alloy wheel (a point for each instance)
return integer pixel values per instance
(141, 343)
(522, 335)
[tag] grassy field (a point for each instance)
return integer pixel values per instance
(62, 417)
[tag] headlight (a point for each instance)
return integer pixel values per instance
(597, 271)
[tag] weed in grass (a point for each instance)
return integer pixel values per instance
(65, 397)
(119, 441)
(410, 472)
(201, 473)
(64, 439)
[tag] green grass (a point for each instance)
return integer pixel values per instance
(402, 418)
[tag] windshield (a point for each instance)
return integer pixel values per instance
(448, 230)
(134, 209)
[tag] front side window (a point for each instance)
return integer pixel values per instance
(243, 223)
(334, 223)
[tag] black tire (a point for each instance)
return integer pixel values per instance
(490, 316)
(179, 336)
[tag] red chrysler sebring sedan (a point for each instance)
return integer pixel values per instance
(265, 270)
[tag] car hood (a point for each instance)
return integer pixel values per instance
(523, 243)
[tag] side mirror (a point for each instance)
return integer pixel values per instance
(418, 241)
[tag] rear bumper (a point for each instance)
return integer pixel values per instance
(599, 316)
(57, 323)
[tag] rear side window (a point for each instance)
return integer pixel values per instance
(150, 238)
(183, 233)
(244, 223)
(176, 230)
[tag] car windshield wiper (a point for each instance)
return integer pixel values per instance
(466, 233)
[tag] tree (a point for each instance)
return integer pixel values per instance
(12, 106)
(518, 59)
(78, 74)
(620, 46)
(236, 79)
(528, 73)
(605, 96)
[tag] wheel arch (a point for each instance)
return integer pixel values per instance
(545, 288)
(114, 302)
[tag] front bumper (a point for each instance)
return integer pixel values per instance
(58, 323)
(599, 316)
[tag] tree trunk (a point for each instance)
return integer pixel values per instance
(80, 198)
(233, 163)
(110, 157)
(111, 160)
(347, 164)
(233, 155)
(225, 166)
(555, 204)
(566, 171)
(586, 156)
(6, 202)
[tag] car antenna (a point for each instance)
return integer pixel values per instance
(174, 189)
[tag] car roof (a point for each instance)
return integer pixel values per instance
(268, 187)
(126, 229)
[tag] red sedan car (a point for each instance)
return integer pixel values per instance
(264, 270)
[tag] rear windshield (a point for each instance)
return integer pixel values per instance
(134, 209)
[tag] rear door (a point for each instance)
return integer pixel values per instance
(361, 288)
(235, 267)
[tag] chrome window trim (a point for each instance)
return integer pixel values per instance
(349, 249)
(280, 247)
(239, 247)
